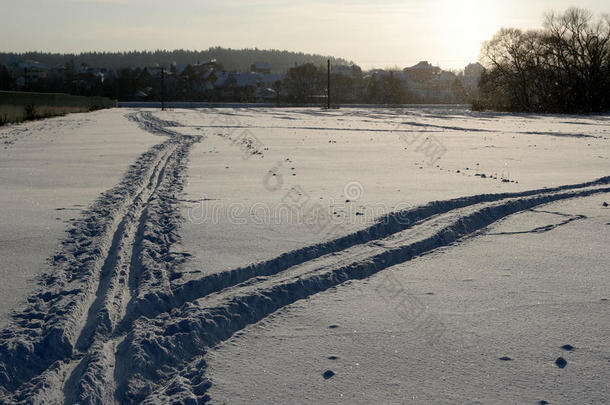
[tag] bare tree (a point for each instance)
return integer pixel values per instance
(563, 67)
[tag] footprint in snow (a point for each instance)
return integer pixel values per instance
(333, 326)
(561, 362)
(333, 357)
(328, 374)
(568, 348)
(505, 358)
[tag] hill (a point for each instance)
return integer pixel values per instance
(231, 59)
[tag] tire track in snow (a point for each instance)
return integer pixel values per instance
(163, 353)
(385, 226)
(94, 382)
(65, 337)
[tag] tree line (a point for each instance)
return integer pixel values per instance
(238, 60)
(563, 67)
(303, 84)
(308, 83)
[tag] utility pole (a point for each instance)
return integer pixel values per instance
(162, 88)
(328, 87)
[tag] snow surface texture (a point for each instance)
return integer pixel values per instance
(124, 318)
(50, 171)
(482, 321)
(233, 200)
(117, 256)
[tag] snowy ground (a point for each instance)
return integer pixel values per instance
(299, 255)
(50, 171)
(434, 330)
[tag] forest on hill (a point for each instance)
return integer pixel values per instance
(230, 59)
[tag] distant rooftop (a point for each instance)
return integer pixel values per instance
(424, 65)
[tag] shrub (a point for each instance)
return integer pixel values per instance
(30, 111)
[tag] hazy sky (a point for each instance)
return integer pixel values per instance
(372, 34)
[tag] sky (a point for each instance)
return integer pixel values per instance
(380, 34)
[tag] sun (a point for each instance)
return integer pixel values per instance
(463, 26)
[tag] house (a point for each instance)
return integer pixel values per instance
(377, 73)
(198, 67)
(245, 79)
(139, 95)
(346, 70)
(33, 70)
(472, 75)
(179, 67)
(221, 79)
(474, 70)
(260, 67)
(271, 78)
(266, 94)
(422, 71)
(446, 77)
(154, 70)
(26, 72)
(57, 70)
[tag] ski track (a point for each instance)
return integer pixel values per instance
(118, 253)
(113, 323)
(164, 353)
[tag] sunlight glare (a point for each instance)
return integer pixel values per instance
(463, 26)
